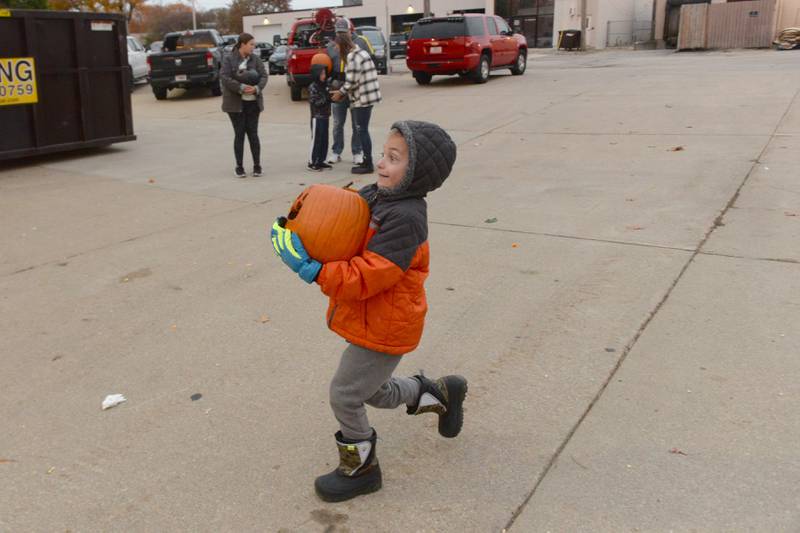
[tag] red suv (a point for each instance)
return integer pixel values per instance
(469, 45)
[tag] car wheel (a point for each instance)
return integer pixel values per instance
(520, 64)
(423, 78)
(297, 93)
(216, 90)
(481, 73)
(160, 93)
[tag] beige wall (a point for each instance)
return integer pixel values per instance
(661, 15)
(598, 15)
(788, 15)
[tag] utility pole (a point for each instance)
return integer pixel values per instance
(426, 9)
(583, 24)
(194, 16)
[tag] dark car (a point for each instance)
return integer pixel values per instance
(265, 50)
(277, 61)
(230, 42)
(397, 44)
(375, 37)
(189, 59)
(469, 45)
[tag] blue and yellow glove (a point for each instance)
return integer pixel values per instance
(290, 249)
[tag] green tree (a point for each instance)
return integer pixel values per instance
(242, 8)
(24, 4)
(126, 7)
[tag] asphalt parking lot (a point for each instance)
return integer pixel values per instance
(614, 267)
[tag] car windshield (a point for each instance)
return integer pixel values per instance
(439, 28)
(375, 37)
(302, 33)
(189, 41)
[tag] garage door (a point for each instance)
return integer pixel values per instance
(264, 33)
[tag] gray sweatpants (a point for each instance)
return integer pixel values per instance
(365, 377)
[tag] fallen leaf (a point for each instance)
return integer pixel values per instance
(5, 461)
(490, 220)
(196, 396)
(630, 199)
(677, 149)
(151, 180)
(449, 289)
(634, 228)
(789, 214)
(51, 470)
(676, 451)
(264, 319)
(514, 245)
(173, 327)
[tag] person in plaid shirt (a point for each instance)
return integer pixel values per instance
(362, 87)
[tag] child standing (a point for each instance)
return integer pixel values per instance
(319, 99)
(377, 303)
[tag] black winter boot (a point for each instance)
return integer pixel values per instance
(444, 397)
(364, 168)
(358, 471)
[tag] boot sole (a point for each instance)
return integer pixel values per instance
(451, 422)
(341, 497)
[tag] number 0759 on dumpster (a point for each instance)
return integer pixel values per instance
(17, 81)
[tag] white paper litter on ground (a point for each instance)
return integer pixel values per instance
(112, 400)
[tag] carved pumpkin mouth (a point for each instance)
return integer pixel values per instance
(297, 206)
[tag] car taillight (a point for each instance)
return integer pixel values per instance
(209, 59)
(149, 65)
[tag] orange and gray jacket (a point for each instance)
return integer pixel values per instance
(377, 299)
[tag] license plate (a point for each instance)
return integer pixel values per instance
(180, 77)
(435, 50)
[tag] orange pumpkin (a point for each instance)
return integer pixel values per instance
(323, 59)
(332, 222)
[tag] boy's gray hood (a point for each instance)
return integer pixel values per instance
(431, 155)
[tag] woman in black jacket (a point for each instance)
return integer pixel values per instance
(243, 78)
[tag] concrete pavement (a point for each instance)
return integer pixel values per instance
(625, 323)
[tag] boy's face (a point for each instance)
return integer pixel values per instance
(392, 166)
(322, 75)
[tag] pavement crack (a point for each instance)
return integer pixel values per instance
(523, 115)
(648, 319)
(751, 258)
(565, 236)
